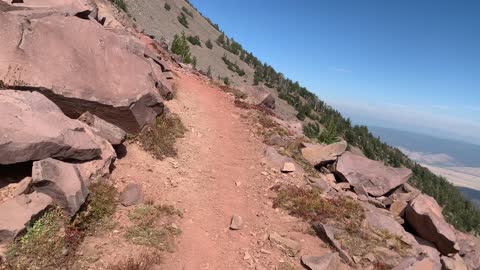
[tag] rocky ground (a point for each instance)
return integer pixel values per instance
(140, 162)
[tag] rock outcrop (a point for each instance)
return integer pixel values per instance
(258, 95)
(34, 128)
(326, 262)
(17, 213)
(61, 181)
(320, 155)
(275, 160)
(81, 67)
(376, 178)
(424, 215)
(102, 128)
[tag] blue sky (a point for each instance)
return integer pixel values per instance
(413, 65)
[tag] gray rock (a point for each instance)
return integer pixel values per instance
(376, 178)
(236, 223)
(288, 167)
(61, 181)
(17, 213)
(289, 246)
(131, 195)
(425, 216)
(326, 262)
(104, 129)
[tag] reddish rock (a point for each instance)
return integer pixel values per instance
(376, 178)
(424, 215)
(112, 79)
(61, 181)
(453, 263)
(17, 213)
(469, 249)
(131, 195)
(275, 160)
(398, 208)
(258, 95)
(34, 128)
(319, 155)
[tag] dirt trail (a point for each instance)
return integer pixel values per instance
(217, 173)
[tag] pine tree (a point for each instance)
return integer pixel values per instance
(180, 47)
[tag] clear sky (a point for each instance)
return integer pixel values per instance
(413, 65)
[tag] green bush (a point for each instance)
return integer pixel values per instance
(120, 4)
(167, 7)
(188, 12)
(233, 66)
(195, 40)
(182, 19)
(209, 44)
(180, 47)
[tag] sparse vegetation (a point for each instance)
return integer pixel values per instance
(233, 66)
(160, 139)
(167, 7)
(226, 80)
(51, 242)
(195, 40)
(150, 227)
(42, 246)
(144, 261)
(209, 44)
(194, 62)
(180, 47)
(182, 19)
(209, 72)
(120, 4)
(100, 205)
(187, 11)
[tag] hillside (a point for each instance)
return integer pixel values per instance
(321, 122)
(116, 155)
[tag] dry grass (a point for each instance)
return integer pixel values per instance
(160, 139)
(144, 261)
(151, 226)
(311, 206)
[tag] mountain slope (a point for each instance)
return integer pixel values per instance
(322, 123)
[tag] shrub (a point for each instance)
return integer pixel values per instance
(143, 261)
(194, 62)
(226, 80)
(180, 47)
(167, 7)
(209, 44)
(160, 139)
(233, 66)
(188, 12)
(195, 40)
(182, 19)
(120, 4)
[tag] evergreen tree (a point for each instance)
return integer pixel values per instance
(180, 47)
(209, 44)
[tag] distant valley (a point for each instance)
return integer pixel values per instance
(458, 162)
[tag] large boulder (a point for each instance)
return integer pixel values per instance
(81, 67)
(17, 213)
(110, 132)
(61, 181)
(320, 155)
(258, 95)
(376, 178)
(34, 128)
(453, 263)
(424, 215)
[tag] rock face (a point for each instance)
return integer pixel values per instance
(424, 215)
(34, 128)
(327, 233)
(319, 155)
(17, 213)
(61, 181)
(110, 132)
(469, 249)
(258, 95)
(112, 78)
(376, 178)
(453, 263)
